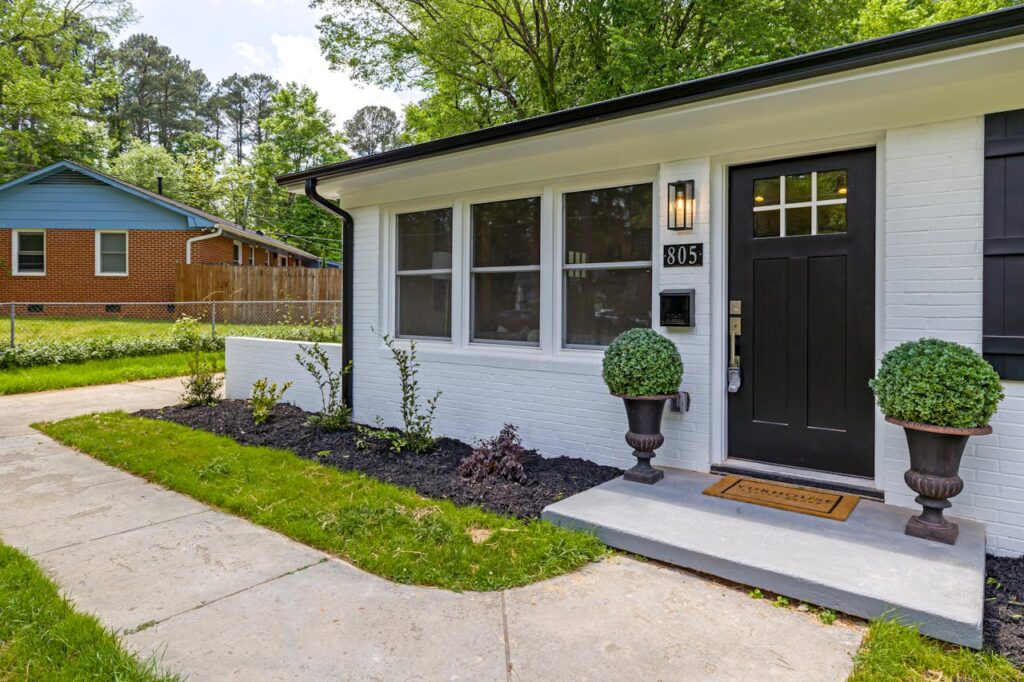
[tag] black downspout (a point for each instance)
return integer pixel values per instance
(347, 230)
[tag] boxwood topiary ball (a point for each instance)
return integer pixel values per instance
(937, 382)
(642, 362)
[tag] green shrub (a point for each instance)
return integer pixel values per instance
(202, 383)
(937, 382)
(642, 362)
(418, 420)
(265, 395)
(334, 414)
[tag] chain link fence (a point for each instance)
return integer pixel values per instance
(42, 323)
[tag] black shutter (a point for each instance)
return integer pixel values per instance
(1003, 324)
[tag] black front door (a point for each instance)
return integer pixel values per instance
(802, 293)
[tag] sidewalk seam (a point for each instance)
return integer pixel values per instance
(508, 646)
(122, 532)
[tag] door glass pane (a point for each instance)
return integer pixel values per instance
(832, 219)
(506, 233)
(609, 225)
(506, 306)
(831, 185)
(113, 263)
(424, 305)
(798, 188)
(798, 221)
(601, 304)
(425, 240)
(766, 223)
(766, 191)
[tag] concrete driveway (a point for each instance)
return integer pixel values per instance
(217, 598)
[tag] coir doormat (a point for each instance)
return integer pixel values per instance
(792, 498)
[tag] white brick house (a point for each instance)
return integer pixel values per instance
(859, 174)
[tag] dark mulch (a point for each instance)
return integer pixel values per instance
(434, 474)
(1004, 607)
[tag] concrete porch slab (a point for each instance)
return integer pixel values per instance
(865, 566)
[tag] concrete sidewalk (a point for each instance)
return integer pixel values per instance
(218, 598)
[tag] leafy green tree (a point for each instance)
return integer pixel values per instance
(298, 134)
(190, 176)
(244, 102)
(373, 129)
(484, 62)
(882, 17)
(161, 96)
(142, 163)
(52, 82)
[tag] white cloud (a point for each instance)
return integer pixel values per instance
(254, 55)
(299, 59)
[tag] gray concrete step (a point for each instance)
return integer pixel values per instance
(865, 566)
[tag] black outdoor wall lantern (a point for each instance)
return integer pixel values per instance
(681, 204)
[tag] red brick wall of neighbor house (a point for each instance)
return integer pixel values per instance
(71, 267)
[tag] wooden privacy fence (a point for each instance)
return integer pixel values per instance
(318, 288)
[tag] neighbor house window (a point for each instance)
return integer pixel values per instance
(111, 253)
(236, 253)
(606, 263)
(424, 286)
(252, 255)
(506, 271)
(29, 247)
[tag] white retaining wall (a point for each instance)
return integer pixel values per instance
(248, 359)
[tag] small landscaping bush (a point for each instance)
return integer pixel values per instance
(499, 456)
(202, 383)
(418, 435)
(937, 382)
(265, 395)
(642, 362)
(334, 414)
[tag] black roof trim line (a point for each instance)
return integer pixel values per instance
(981, 28)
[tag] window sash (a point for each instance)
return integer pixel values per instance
(412, 274)
(108, 258)
(26, 266)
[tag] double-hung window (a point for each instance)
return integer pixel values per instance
(111, 253)
(29, 248)
(606, 266)
(506, 271)
(424, 273)
(236, 253)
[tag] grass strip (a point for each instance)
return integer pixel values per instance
(94, 372)
(381, 528)
(42, 637)
(895, 653)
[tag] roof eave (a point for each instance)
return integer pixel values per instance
(981, 28)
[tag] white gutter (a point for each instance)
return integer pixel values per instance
(190, 240)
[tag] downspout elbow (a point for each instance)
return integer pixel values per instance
(347, 235)
(191, 240)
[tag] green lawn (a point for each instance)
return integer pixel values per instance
(42, 637)
(381, 528)
(93, 372)
(894, 653)
(34, 329)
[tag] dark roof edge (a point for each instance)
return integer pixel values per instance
(980, 28)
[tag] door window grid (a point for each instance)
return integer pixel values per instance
(813, 204)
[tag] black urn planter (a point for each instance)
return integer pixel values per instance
(644, 435)
(935, 453)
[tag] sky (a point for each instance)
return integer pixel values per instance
(276, 37)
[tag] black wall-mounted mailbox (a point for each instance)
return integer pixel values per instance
(677, 308)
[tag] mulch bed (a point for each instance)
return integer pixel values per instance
(434, 474)
(1004, 607)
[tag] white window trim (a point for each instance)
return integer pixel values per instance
(98, 259)
(14, 254)
(235, 244)
(459, 348)
(454, 268)
(473, 270)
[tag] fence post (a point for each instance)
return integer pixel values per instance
(213, 318)
(12, 325)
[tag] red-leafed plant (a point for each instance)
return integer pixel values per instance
(500, 456)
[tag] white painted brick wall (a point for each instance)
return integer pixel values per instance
(248, 359)
(933, 287)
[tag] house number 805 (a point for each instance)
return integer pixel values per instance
(682, 255)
